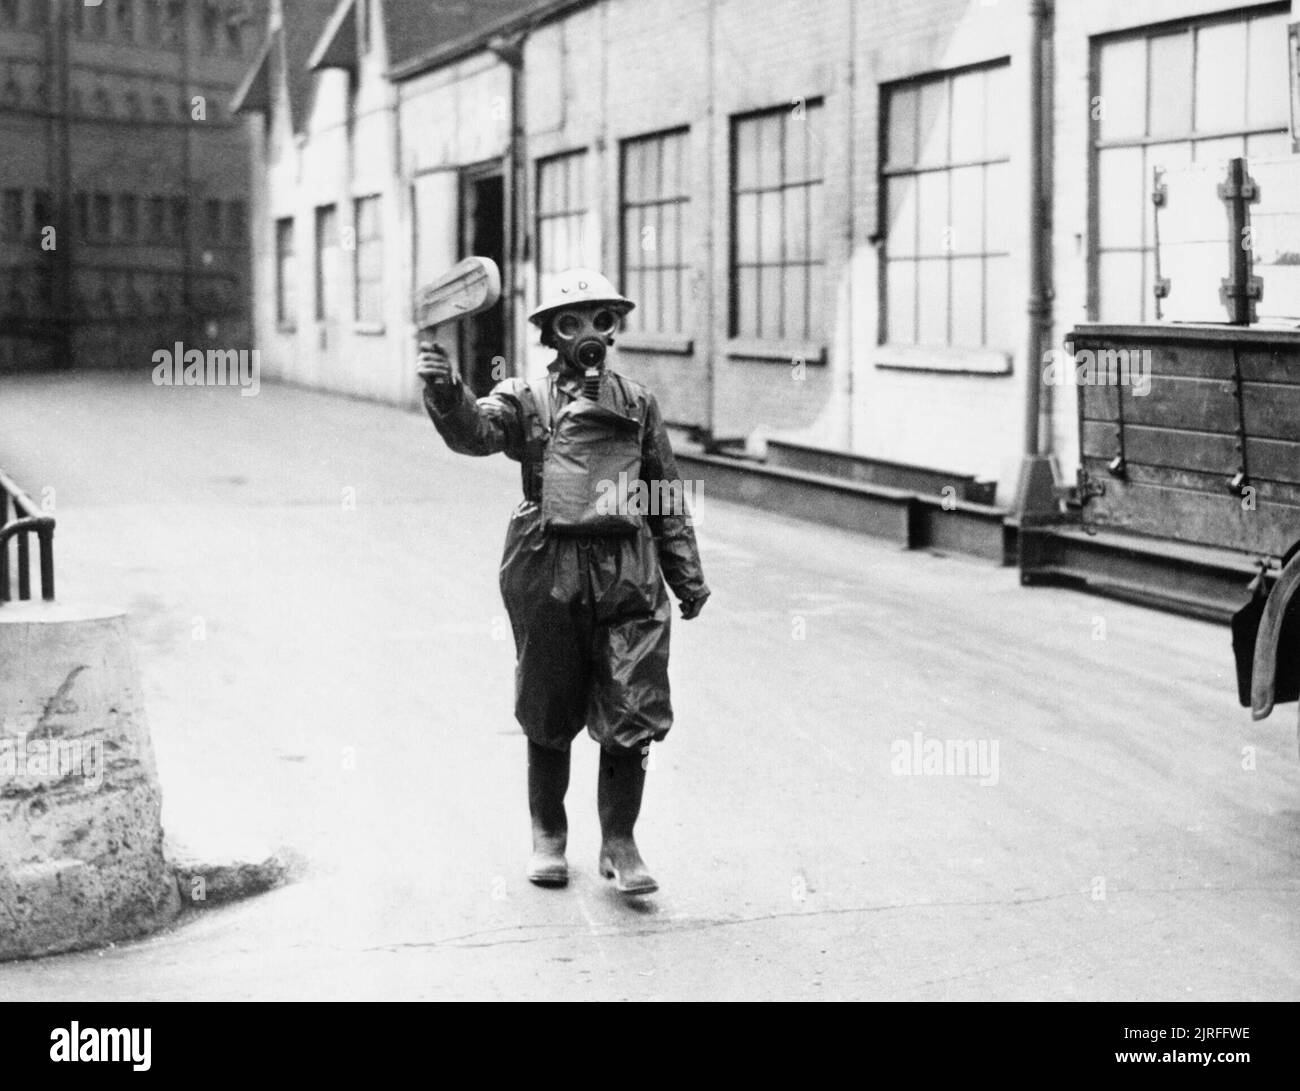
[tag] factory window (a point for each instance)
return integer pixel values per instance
(8, 13)
(180, 220)
(96, 24)
(42, 210)
(103, 223)
(83, 214)
(776, 219)
(128, 216)
(132, 103)
(103, 103)
(327, 262)
(655, 200)
(211, 22)
(13, 222)
(561, 215)
(368, 270)
(153, 20)
(237, 223)
(286, 278)
(172, 22)
(1201, 92)
(161, 110)
(158, 219)
(126, 19)
(212, 220)
(944, 179)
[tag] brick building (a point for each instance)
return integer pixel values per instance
(124, 181)
(824, 210)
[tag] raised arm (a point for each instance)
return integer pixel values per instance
(470, 426)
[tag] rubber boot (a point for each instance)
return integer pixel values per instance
(618, 798)
(548, 780)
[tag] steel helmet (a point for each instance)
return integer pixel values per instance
(576, 287)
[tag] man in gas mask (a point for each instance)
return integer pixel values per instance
(583, 571)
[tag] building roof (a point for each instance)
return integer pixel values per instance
(424, 33)
(287, 48)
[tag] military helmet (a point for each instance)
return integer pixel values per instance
(578, 287)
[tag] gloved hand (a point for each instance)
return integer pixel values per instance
(691, 607)
(436, 367)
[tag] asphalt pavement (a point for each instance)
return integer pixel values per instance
(892, 775)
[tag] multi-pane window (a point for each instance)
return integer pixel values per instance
(153, 20)
(103, 212)
(12, 219)
(286, 278)
(128, 215)
(8, 13)
(211, 22)
(126, 19)
(561, 215)
(180, 219)
(1199, 93)
(157, 219)
(212, 220)
(42, 209)
(945, 178)
(368, 266)
(237, 223)
(82, 201)
(327, 262)
(655, 197)
(777, 245)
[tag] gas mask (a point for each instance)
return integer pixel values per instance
(581, 336)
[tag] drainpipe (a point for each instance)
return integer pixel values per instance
(1036, 497)
(510, 51)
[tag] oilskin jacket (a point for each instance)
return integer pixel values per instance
(589, 611)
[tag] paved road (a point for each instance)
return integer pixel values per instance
(327, 666)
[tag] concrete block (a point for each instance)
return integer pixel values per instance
(81, 860)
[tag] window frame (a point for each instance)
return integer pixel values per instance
(578, 156)
(661, 338)
(1190, 137)
(949, 355)
(285, 228)
(319, 278)
(810, 345)
(366, 323)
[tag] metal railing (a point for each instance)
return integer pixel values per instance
(27, 521)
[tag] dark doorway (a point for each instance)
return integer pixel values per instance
(483, 224)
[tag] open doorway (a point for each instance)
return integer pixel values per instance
(483, 224)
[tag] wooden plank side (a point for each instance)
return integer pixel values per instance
(1202, 405)
(1272, 411)
(1099, 403)
(1279, 365)
(1100, 439)
(1273, 459)
(1207, 452)
(1199, 517)
(1188, 361)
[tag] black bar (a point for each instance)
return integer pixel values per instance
(24, 567)
(47, 563)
